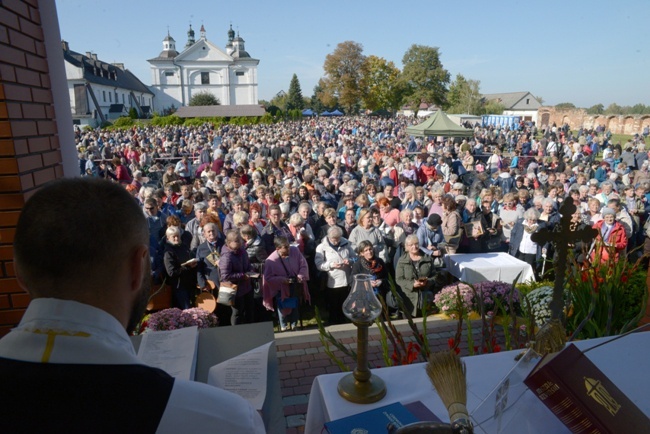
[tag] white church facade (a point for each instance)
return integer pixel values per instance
(230, 75)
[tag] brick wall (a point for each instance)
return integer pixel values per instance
(576, 118)
(30, 153)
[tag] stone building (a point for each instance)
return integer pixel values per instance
(230, 75)
(576, 118)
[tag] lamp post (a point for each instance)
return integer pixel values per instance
(362, 307)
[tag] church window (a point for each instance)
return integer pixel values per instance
(110, 97)
(205, 78)
(527, 100)
(104, 95)
(169, 73)
(239, 73)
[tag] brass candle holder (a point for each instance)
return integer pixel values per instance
(362, 307)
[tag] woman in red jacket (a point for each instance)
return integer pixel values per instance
(611, 240)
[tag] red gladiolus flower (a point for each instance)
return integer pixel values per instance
(624, 278)
(451, 343)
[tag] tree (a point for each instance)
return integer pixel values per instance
(638, 109)
(133, 113)
(203, 98)
(280, 100)
(597, 109)
(380, 84)
(294, 98)
(344, 69)
(464, 96)
(492, 107)
(540, 99)
(613, 109)
(565, 106)
(424, 77)
(316, 103)
(325, 94)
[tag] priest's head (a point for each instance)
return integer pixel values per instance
(85, 240)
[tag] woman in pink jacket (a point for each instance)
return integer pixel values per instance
(285, 281)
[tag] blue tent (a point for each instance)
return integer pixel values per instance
(308, 112)
(336, 113)
(326, 113)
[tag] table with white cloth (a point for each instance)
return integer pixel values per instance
(481, 267)
(624, 361)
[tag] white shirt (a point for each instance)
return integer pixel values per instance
(85, 334)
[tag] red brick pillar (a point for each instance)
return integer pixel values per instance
(29, 144)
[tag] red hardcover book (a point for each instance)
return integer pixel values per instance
(582, 397)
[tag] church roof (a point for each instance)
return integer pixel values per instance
(99, 72)
(512, 100)
(166, 55)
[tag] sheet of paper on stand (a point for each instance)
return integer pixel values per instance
(173, 351)
(244, 375)
(624, 361)
(481, 267)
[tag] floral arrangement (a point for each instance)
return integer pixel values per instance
(605, 297)
(447, 299)
(537, 304)
(496, 296)
(174, 318)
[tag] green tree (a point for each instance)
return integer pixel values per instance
(280, 100)
(203, 98)
(344, 69)
(565, 106)
(464, 96)
(424, 77)
(492, 107)
(133, 113)
(597, 109)
(381, 84)
(638, 109)
(540, 99)
(614, 109)
(316, 103)
(326, 95)
(294, 98)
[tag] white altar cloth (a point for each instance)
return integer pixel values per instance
(479, 267)
(625, 361)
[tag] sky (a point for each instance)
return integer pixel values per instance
(583, 52)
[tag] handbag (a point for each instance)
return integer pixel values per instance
(227, 293)
(294, 286)
(288, 303)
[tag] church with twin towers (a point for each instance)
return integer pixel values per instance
(200, 66)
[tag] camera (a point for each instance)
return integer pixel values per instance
(292, 280)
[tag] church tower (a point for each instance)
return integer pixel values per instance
(231, 37)
(190, 37)
(202, 32)
(169, 47)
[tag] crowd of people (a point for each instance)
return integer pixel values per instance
(290, 212)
